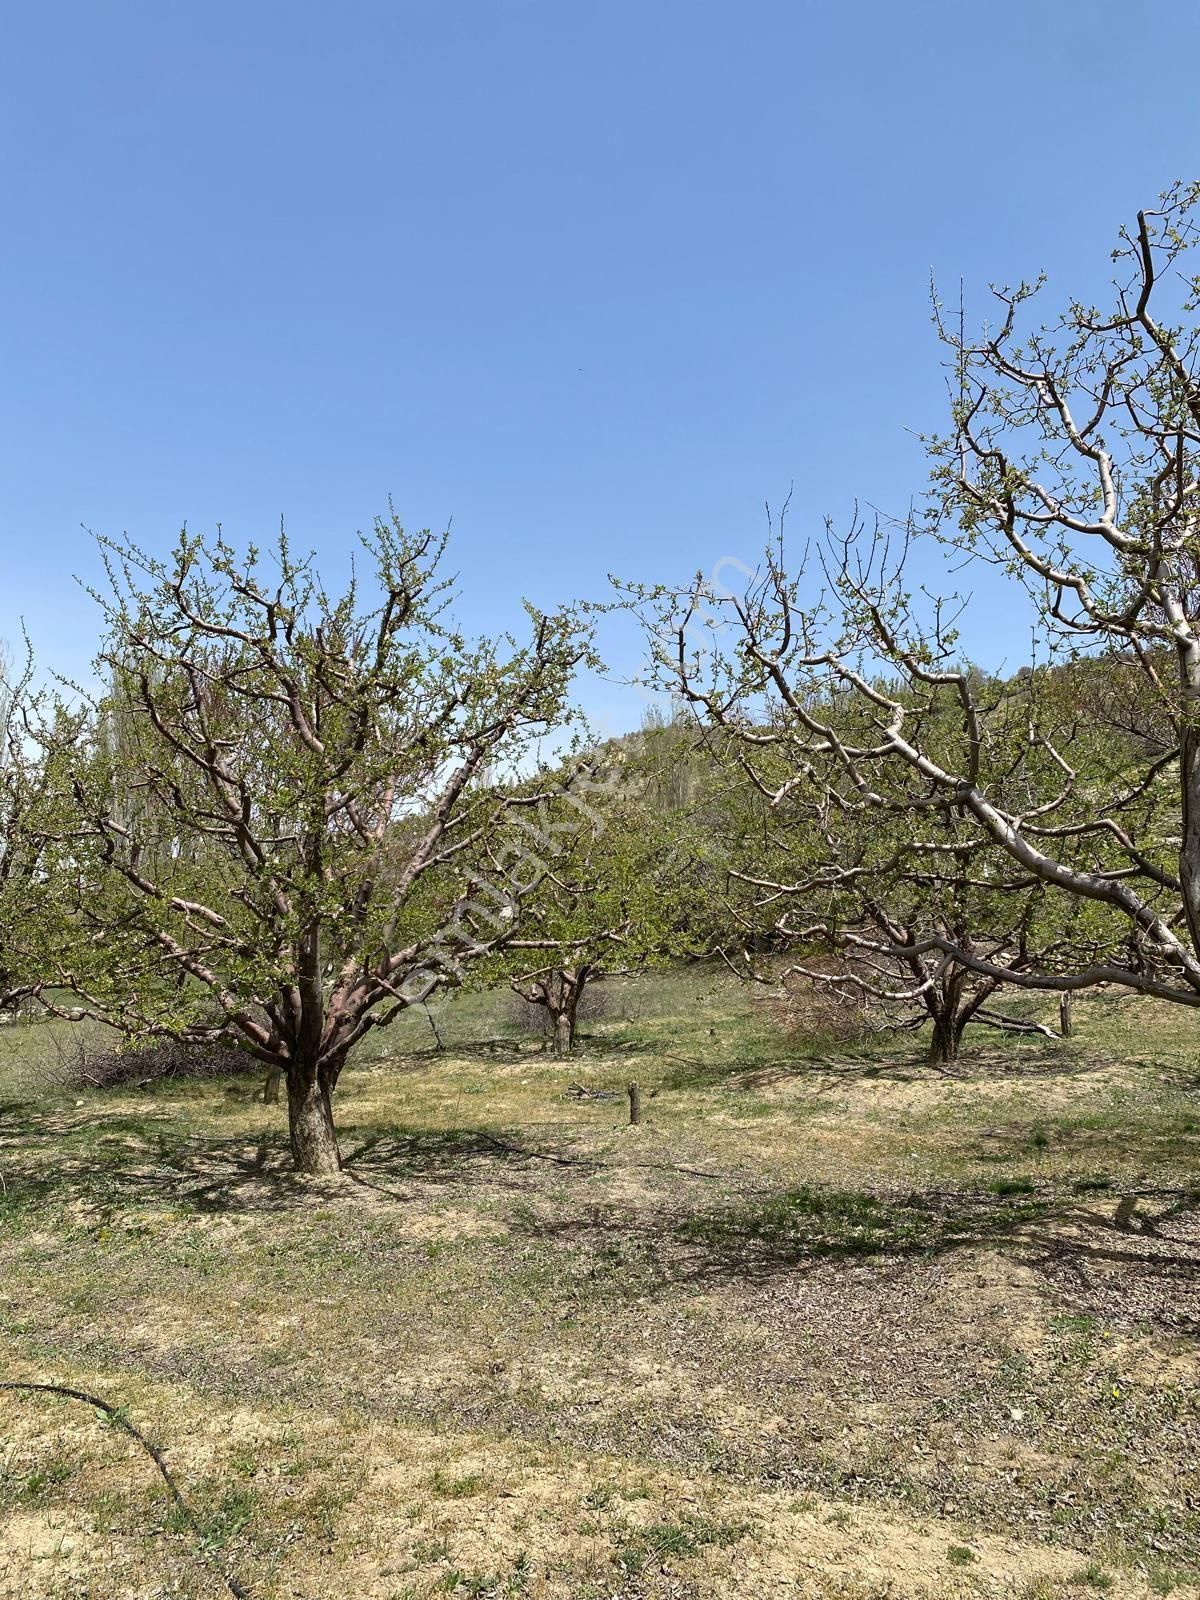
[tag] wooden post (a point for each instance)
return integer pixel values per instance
(635, 1105)
(1064, 1013)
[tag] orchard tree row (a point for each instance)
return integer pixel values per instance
(291, 815)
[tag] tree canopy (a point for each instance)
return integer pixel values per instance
(292, 800)
(1073, 465)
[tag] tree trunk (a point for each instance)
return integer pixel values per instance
(310, 1119)
(271, 1087)
(565, 991)
(1064, 1013)
(564, 1034)
(1189, 785)
(943, 1047)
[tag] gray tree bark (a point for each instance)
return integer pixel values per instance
(310, 1123)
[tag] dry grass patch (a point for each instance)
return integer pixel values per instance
(327, 1506)
(815, 1325)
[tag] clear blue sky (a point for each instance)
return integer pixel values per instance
(594, 280)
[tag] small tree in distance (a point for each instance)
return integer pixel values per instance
(619, 894)
(291, 828)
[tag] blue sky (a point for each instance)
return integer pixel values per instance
(593, 280)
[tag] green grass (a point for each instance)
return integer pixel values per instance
(662, 1543)
(838, 1222)
(487, 1585)
(446, 1487)
(1094, 1577)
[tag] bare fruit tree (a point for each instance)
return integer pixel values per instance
(857, 924)
(292, 820)
(1073, 466)
(1074, 462)
(874, 884)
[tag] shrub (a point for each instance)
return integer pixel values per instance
(817, 1013)
(91, 1061)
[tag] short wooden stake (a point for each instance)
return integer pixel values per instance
(635, 1105)
(1064, 1013)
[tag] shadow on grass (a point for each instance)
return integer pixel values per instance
(1136, 1261)
(825, 1070)
(1132, 1260)
(504, 1052)
(127, 1163)
(1164, 1140)
(1138, 1249)
(749, 1070)
(792, 1231)
(63, 1156)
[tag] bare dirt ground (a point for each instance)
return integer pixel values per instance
(829, 1324)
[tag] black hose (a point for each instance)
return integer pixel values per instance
(119, 1420)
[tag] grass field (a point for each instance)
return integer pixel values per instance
(827, 1324)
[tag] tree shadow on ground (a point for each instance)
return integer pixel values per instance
(751, 1071)
(499, 1051)
(517, 1051)
(1026, 1058)
(446, 1158)
(122, 1159)
(836, 1069)
(1167, 1142)
(764, 1235)
(1133, 1260)
(130, 1164)
(977, 1066)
